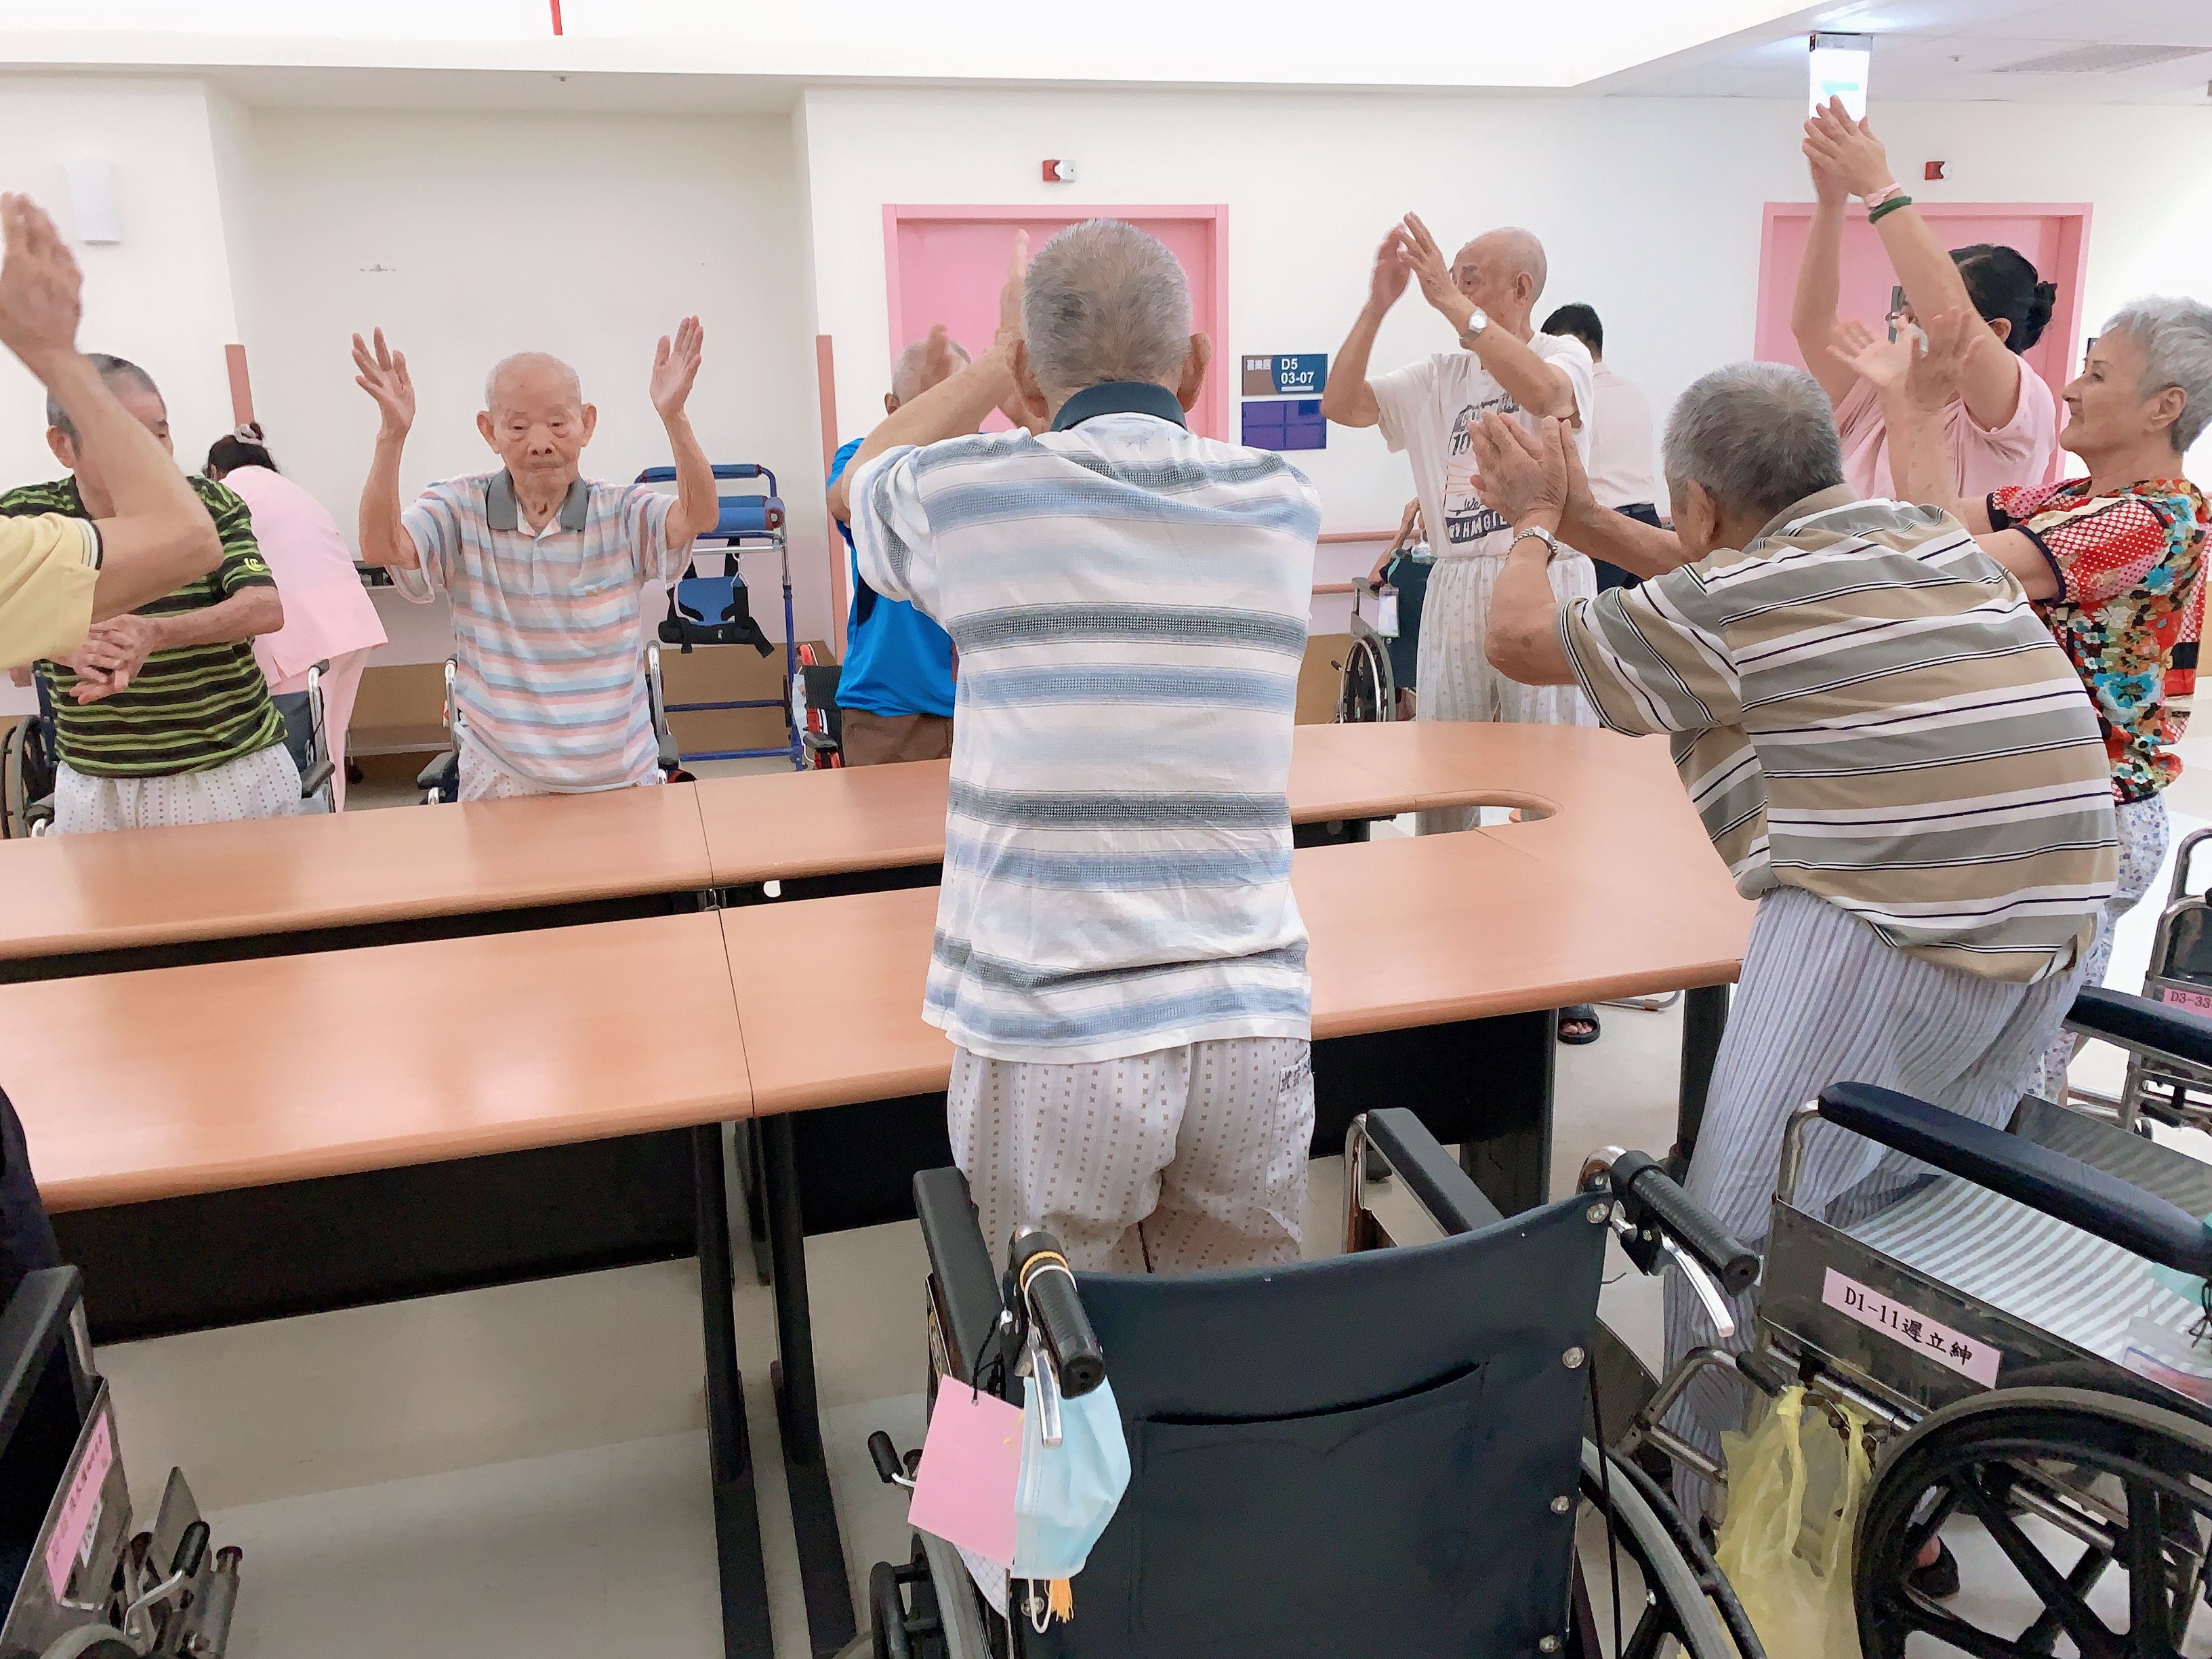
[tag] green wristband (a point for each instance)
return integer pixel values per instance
(1890, 206)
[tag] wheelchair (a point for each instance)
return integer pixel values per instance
(2162, 1086)
(440, 780)
(2000, 1332)
(28, 770)
(1368, 692)
(76, 1582)
(1384, 1452)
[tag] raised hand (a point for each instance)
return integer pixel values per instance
(676, 367)
(1847, 150)
(384, 376)
(1519, 472)
(1392, 271)
(1432, 270)
(1879, 361)
(1010, 295)
(1954, 336)
(41, 291)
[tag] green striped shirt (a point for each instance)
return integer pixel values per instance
(190, 709)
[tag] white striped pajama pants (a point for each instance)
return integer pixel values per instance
(1456, 680)
(1175, 1161)
(1821, 1000)
(2145, 833)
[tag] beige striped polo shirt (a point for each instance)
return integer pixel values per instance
(1866, 705)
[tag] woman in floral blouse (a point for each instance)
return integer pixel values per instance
(2114, 561)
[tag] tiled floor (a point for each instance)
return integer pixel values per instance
(522, 1470)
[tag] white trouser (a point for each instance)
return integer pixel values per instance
(483, 779)
(1823, 999)
(1458, 682)
(2144, 835)
(1168, 1162)
(262, 785)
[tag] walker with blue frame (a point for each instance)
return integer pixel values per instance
(705, 611)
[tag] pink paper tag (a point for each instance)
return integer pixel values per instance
(971, 1465)
(80, 1511)
(1966, 1355)
(2197, 1002)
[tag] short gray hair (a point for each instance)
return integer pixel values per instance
(907, 372)
(114, 371)
(1520, 251)
(530, 360)
(1759, 436)
(1105, 301)
(2176, 338)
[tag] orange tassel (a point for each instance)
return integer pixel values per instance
(1062, 1597)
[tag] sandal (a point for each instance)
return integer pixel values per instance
(1581, 1014)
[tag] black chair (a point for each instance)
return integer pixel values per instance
(1378, 1453)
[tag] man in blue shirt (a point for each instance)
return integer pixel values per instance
(895, 695)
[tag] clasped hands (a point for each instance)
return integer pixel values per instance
(1528, 478)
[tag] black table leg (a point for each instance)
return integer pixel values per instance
(746, 1630)
(822, 1568)
(1704, 1017)
(748, 1149)
(1511, 1160)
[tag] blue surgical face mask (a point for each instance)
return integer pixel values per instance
(1068, 1492)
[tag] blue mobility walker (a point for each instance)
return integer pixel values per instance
(718, 610)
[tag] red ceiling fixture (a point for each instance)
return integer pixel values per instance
(556, 15)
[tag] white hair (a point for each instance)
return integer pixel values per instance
(1105, 301)
(2176, 338)
(530, 360)
(906, 373)
(1759, 436)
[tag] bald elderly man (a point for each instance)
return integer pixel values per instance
(1488, 293)
(544, 567)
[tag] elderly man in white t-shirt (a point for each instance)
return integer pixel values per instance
(1488, 293)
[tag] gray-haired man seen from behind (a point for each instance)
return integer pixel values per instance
(1119, 960)
(1888, 749)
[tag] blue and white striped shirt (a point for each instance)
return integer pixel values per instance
(1129, 603)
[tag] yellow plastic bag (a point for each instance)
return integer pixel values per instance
(1795, 1488)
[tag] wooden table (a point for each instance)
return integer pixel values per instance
(215, 1148)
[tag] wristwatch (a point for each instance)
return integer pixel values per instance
(1552, 546)
(1476, 323)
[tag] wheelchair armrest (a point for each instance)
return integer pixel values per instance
(1453, 1201)
(438, 773)
(2140, 1023)
(319, 774)
(35, 1320)
(2089, 1198)
(967, 1285)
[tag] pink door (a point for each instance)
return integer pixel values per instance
(946, 264)
(2054, 237)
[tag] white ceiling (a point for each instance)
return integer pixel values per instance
(1956, 50)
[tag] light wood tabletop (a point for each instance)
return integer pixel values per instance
(101, 892)
(203, 1079)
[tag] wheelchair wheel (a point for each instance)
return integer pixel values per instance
(1364, 697)
(92, 1642)
(2069, 1484)
(1668, 1579)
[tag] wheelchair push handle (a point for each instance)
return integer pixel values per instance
(1047, 1286)
(2081, 1195)
(1651, 1197)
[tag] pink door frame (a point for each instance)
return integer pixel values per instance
(2071, 272)
(1213, 402)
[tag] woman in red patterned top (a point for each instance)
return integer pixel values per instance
(2114, 561)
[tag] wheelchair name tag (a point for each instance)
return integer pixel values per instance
(971, 1469)
(1386, 614)
(78, 1519)
(2197, 1002)
(1911, 1328)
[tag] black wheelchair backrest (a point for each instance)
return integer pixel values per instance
(2076, 1192)
(1360, 1454)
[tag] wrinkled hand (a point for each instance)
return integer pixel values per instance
(676, 367)
(1521, 472)
(384, 376)
(1954, 337)
(1828, 190)
(1879, 361)
(1010, 295)
(1847, 150)
(114, 652)
(41, 291)
(1392, 271)
(1432, 270)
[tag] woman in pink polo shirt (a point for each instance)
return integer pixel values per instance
(2003, 430)
(328, 615)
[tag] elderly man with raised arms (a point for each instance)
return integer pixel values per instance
(1889, 750)
(1119, 960)
(544, 567)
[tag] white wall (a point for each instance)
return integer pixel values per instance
(467, 237)
(162, 296)
(1649, 209)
